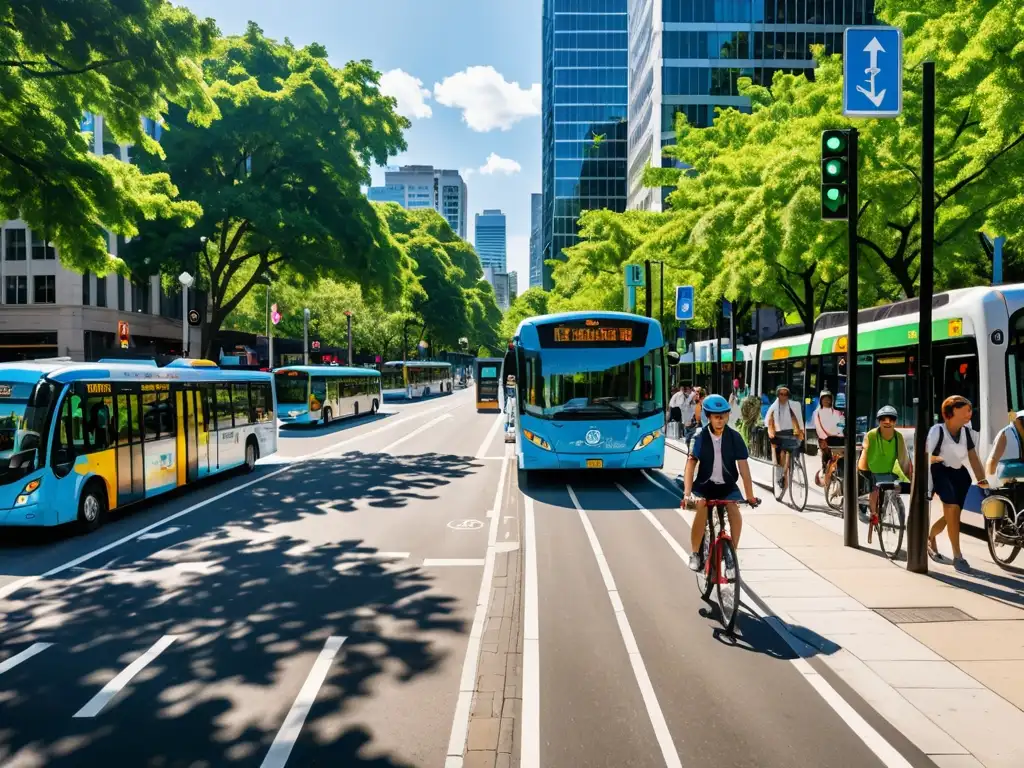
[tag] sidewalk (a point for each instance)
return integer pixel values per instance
(941, 657)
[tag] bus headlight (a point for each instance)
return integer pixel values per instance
(536, 439)
(647, 439)
(30, 487)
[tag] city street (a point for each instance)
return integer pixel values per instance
(319, 612)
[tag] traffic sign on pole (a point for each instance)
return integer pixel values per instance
(634, 275)
(726, 308)
(684, 302)
(872, 71)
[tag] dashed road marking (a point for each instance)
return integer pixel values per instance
(111, 689)
(18, 658)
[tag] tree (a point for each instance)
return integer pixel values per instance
(529, 304)
(279, 175)
(59, 60)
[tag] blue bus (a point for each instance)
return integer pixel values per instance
(310, 394)
(80, 439)
(410, 380)
(590, 391)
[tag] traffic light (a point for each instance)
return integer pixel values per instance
(835, 175)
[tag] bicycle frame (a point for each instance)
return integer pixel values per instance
(714, 551)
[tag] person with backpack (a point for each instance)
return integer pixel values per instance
(718, 459)
(785, 429)
(951, 446)
(884, 447)
(1009, 446)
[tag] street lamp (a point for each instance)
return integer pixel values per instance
(305, 337)
(348, 315)
(187, 282)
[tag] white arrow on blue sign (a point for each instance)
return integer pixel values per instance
(684, 302)
(872, 71)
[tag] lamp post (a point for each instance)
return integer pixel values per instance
(305, 337)
(348, 316)
(186, 281)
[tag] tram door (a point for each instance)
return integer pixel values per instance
(960, 377)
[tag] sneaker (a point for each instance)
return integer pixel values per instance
(961, 565)
(694, 562)
(934, 554)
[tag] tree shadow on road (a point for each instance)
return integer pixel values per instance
(252, 600)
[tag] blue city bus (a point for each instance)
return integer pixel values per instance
(590, 391)
(310, 394)
(80, 439)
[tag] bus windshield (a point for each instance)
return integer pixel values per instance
(24, 416)
(630, 390)
(291, 387)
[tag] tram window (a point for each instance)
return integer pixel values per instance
(1015, 362)
(240, 404)
(960, 377)
(224, 410)
(774, 377)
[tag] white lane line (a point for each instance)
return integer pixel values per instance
(14, 586)
(481, 452)
(111, 689)
(643, 680)
(435, 562)
(423, 428)
(467, 683)
(529, 755)
(25, 655)
(872, 739)
(289, 733)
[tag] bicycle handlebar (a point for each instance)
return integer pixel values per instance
(725, 502)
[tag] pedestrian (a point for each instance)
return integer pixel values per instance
(675, 405)
(951, 446)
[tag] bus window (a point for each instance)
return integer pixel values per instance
(207, 413)
(334, 390)
(158, 418)
(261, 402)
(224, 410)
(240, 404)
(99, 433)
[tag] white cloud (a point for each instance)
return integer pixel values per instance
(487, 100)
(467, 172)
(496, 164)
(409, 91)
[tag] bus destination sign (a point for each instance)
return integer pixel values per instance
(593, 333)
(607, 335)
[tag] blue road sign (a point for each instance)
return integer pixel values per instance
(726, 308)
(634, 275)
(872, 71)
(684, 302)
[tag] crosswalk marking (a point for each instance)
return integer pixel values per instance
(289, 733)
(25, 655)
(111, 689)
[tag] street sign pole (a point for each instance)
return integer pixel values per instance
(917, 527)
(647, 287)
(850, 510)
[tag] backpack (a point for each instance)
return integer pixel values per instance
(967, 431)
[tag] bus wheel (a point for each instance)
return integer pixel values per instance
(92, 506)
(356, 412)
(252, 453)
(374, 407)
(327, 416)
(426, 392)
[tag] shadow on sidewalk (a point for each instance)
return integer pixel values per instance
(1007, 589)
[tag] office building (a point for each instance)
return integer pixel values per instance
(685, 56)
(584, 108)
(536, 247)
(513, 286)
(423, 186)
(489, 239)
(500, 282)
(47, 310)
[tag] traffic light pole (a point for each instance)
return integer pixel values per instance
(850, 532)
(917, 528)
(647, 288)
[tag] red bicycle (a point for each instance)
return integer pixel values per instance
(721, 564)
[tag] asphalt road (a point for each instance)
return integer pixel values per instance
(318, 613)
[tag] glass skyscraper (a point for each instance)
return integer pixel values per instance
(687, 55)
(585, 78)
(489, 239)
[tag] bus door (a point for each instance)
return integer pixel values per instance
(193, 439)
(130, 460)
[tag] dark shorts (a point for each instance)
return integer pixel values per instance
(718, 491)
(951, 484)
(786, 440)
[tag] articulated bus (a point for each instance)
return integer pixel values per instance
(590, 391)
(487, 372)
(417, 379)
(80, 439)
(309, 394)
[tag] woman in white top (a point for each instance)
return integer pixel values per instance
(951, 446)
(784, 423)
(826, 421)
(1009, 446)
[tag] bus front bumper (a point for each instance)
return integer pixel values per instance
(649, 457)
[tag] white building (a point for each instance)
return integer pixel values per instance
(423, 186)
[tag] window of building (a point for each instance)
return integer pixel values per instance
(16, 290)
(101, 291)
(43, 251)
(85, 289)
(120, 293)
(16, 245)
(44, 289)
(140, 297)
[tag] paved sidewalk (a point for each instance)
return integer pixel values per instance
(941, 656)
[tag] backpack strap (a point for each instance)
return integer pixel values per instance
(970, 440)
(938, 445)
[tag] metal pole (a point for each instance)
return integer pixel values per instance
(718, 347)
(850, 532)
(997, 260)
(917, 527)
(647, 287)
(184, 319)
(270, 337)
(661, 291)
(732, 346)
(349, 314)
(305, 337)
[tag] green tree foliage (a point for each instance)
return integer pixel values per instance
(529, 304)
(123, 60)
(279, 175)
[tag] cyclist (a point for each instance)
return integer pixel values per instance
(1009, 446)
(884, 446)
(785, 429)
(827, 421)
(718, 458)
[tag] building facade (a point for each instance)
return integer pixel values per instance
(423, 186)
(584, 110)
(686, 56)
(47, 310)
(489, 239)
(513, 286)
(500, 282)
(536, 249)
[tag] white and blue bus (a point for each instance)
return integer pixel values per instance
(310, 394)
(80, 439)
(417, 379)
(590, 391)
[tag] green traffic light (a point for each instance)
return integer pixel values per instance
(834, 143)
(832, 194)
(832, 168)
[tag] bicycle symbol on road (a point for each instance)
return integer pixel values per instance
(466, 525)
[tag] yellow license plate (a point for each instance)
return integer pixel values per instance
(595, 463)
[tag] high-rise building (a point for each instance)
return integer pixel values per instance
(423, 186)
(686, 57)
(489, 239)
(585, 75)
(500, 281)
(536, 247)
(513, 286)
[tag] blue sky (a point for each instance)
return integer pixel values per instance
(479, 66)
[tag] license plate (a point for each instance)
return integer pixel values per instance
(595, 463)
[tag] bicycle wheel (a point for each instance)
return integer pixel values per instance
(777, 473)
(1003, 543)
(798, 483)
(834, 493)
(892, 521)
(728, 583)
(704, 584)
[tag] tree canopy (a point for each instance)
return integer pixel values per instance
(60, 60)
